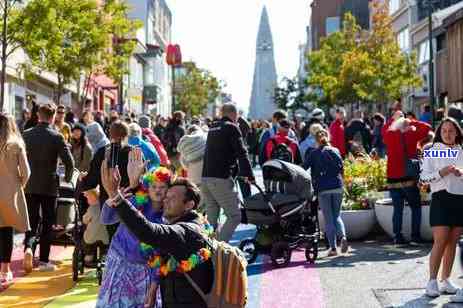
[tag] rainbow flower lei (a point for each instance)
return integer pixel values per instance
(165, 266)
(155, 261)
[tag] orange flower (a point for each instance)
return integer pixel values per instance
(163, 270)
(185, 266)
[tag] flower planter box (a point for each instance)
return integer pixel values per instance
(384, 210)
(358, 223)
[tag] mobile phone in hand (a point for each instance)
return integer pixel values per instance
(113, 158)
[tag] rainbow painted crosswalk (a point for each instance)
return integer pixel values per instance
(297, 285)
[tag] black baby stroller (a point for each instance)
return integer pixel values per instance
(70, 230)
(284, 215)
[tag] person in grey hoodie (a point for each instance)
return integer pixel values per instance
(95, 134)
(192, 147)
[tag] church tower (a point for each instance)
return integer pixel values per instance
(265, 77)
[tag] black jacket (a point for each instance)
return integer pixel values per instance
(179, 241)
(43, 147)
(358, 126)
(93, 178)
(225, 151)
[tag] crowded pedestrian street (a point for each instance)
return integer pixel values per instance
(231, 154)
(373, 274)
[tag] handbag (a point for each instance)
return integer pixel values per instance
(411, 165)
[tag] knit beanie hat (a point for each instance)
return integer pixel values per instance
(192, 147)
(318, 114)
(144, 121)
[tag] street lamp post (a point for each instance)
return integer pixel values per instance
(432, 97)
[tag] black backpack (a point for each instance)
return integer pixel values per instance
(281, 151)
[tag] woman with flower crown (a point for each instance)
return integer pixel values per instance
(129, 280)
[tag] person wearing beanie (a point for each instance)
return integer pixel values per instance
(318, 114)
(149, 152)
(192, 147)
(144, 121)
(95, 134)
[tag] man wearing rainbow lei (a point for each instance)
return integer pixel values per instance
(179, 246)
(128, 280)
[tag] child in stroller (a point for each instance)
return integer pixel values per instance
(95, 234)
(284, 215)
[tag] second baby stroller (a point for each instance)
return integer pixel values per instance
(70, 227)
(284, 215)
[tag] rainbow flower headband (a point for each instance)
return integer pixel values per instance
(161, 174)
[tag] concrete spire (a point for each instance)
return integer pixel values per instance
(265, 77)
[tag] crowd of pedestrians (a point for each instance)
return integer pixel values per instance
(161, 177)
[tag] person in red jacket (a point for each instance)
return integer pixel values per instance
(156, 142)
(338, 139)
(282, 138)
(145, 123)
(402, 135)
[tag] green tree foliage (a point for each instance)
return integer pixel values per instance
(8, 35)
(69, 37)
(356, 66)
(289, 95)
(195, 89)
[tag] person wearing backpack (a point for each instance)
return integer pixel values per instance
(272, 131)
(282, 147)
(191, 275)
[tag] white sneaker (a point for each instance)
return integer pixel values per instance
(457, 298)
(6, 278)
(432, 289)
(448, 287)
(47, 267)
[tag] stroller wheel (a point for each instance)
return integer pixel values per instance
(99, 275)
(311, 252)
(248, 246)
(280, 254)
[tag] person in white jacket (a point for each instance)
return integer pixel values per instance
(443, 169)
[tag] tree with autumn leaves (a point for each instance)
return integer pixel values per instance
(354, 65)
(196, 88)
(73, 38)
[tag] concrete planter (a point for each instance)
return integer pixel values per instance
(384, 210)
(358, 223)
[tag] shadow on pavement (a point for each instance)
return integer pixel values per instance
(373, 252)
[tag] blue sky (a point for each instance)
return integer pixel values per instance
(220, 35)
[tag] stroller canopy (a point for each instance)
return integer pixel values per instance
(283, 177)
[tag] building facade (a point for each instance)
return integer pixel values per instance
(148, 85)
(327, 17)
(410, 25)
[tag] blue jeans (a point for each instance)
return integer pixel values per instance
(412, 195)
(330, 204)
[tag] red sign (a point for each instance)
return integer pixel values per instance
(174, 55)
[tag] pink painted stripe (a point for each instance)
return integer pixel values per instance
(295, 286)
